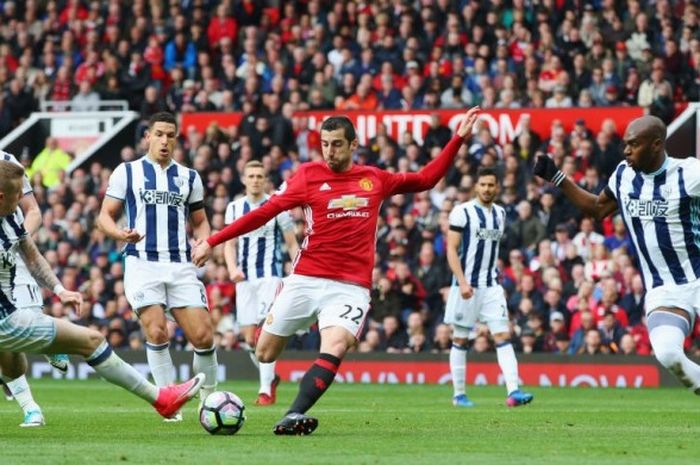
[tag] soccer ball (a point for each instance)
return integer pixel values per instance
(222, 413)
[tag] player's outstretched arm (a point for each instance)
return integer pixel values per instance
(40, 270)
(431, 173)
(597, 206)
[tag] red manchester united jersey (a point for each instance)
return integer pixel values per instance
(341, 211)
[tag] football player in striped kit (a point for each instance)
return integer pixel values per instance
(24, 330)
(159, 197)
(658, 198)
(476, 228)
(254, 262)
(27, 294)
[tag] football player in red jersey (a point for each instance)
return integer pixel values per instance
(331, 278)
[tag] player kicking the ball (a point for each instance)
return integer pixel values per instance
(331, 278)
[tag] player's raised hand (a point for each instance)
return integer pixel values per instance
(468, 121)
(201, 253)
(547, 170)
(73, 299)
(132, 236)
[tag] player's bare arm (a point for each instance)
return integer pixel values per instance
(32, 213)
(290, 239)
(235, 274)
(454, 240)
(44, 275)
(107, 222)
(597, 206)
(200, 224)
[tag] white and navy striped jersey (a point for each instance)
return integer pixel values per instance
(661, 211)
(11, 232)
(481, 229)
(259, 253)
(22, 277)
(157, 203)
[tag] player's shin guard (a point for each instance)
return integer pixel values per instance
(115, 370)
(161, 363)
(509, 365)
(22, 393)
(205, 361)
(315, 382)
(458, 367)
(667, 332)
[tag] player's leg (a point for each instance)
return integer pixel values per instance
(74, 339)
(668, 328)
(246, 316)
(155, 328)
(145, 289)
(670, 318)
(26, 331)
(198, 328)
(494, 312)
(266, 291)
(187, 299)
(342, 313)
(14, 368)
(293, 309)
(459, 317)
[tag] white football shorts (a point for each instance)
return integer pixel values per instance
(306, 299)
(488, 305)
(173, 285)
(26, 330)
(254, 299)
(683, 296)
(29, 296)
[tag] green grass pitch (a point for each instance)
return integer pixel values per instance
(94, 423)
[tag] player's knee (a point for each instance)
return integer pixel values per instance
(93, 340)
(250, 340)
(202, 338)
(157, 334)
(669, 357)
(265, 354)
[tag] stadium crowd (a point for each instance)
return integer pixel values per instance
(572, 284)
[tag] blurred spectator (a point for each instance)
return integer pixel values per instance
(50, 163)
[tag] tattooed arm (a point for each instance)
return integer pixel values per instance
(37, 264)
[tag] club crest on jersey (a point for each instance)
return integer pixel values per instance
(366, 184)
(179, 181)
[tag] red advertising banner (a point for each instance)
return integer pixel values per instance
(201, 121)
(504, 124)
(485, 373)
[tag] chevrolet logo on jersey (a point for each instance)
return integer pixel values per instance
(349, 202)
(154, 197)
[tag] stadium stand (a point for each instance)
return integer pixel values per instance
(572, 285)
